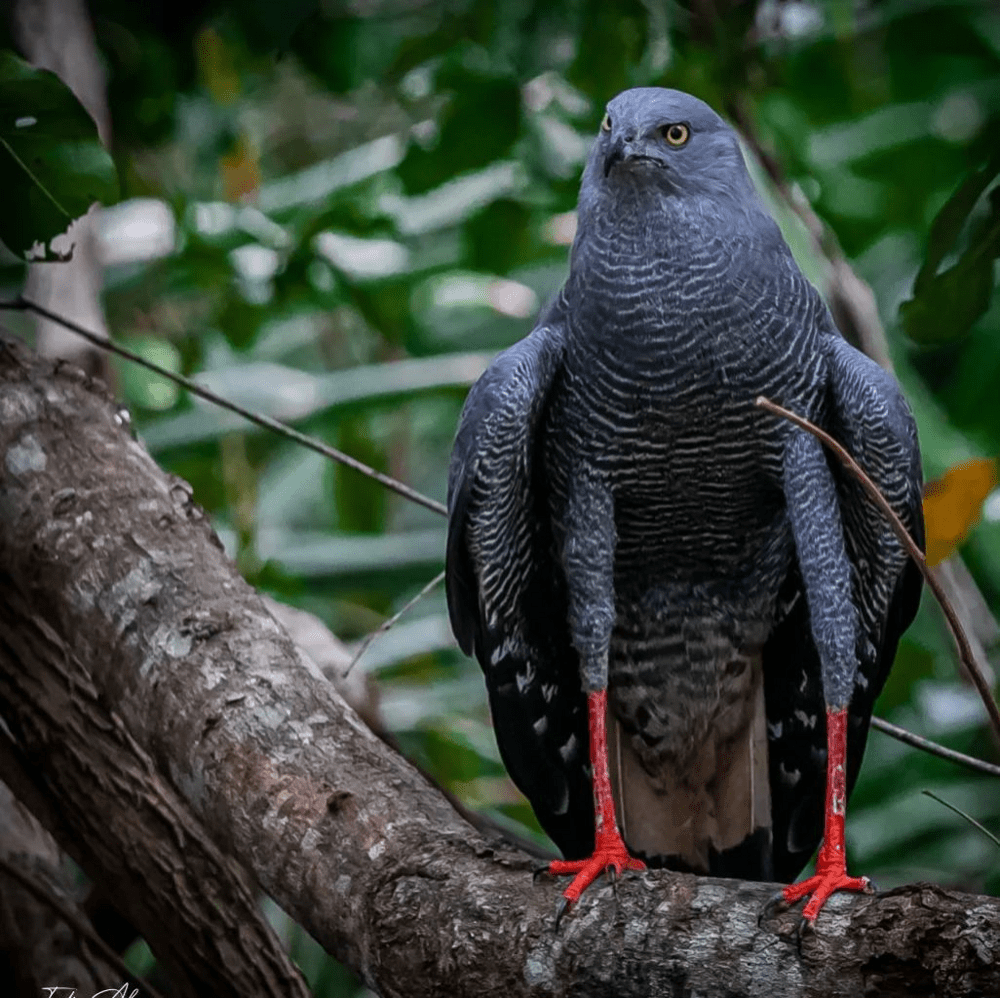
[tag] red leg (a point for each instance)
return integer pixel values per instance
(831, 863)
(610, 851)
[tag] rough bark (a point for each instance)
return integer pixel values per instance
(38, 947)
(69, 758)
(114, 589)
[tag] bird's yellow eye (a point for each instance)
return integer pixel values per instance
(606, 124)
(676, 134)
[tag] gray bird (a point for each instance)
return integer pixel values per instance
(683, 608)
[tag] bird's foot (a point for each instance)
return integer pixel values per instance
(610, 854)
(831, 865)
(821, 886)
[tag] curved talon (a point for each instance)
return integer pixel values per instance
(609, 856)
(802, 928)
(542, 869)
(775, 905)
(562, 906)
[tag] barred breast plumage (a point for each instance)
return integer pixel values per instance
(630, 534)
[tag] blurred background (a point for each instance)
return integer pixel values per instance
(337, 212)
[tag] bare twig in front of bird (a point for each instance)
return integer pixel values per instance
(856, 313)
(22, 304)
(955, 625)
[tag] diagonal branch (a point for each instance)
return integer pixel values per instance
(933, 748)
(260, 419)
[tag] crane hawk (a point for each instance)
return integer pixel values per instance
(683, 609)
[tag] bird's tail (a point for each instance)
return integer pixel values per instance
(712, 817)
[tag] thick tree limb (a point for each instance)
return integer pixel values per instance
(40, 938)
(69, 758)
(113, 580)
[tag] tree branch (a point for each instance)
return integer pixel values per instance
(44, 935)
(933, 748)
(266, 422)
(112, 583)
(69, 758)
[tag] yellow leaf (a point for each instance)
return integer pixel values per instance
(240, 171)
(953, 504)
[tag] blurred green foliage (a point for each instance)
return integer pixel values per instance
(52, 165)
(366, 200)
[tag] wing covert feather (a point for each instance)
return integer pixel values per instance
(869, 416)
(506, 590)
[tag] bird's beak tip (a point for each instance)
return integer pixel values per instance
(616, 154)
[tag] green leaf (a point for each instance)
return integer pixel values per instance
(610, 45)
(499, 256)
(345, 51)
(146, 388)
(945, 306)
(52, 164)
(479, 126)
(350, 558)
(947, 225)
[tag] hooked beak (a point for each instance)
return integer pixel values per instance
(629, 149)
(615, 155)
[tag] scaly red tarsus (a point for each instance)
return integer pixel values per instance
(831, 863)
(610, 851)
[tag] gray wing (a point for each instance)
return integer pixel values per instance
(506, 590)
(867, 413)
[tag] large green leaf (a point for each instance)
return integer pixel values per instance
(945, 306)
(52, 164)
(318, 555)
(479, 125)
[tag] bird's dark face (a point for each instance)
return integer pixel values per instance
(667, 141)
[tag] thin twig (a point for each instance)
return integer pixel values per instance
(71, 918)
(961, 813)
(933, 748)
(386, 624)
(957, 631)
(22, 304)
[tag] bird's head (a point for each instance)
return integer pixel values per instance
(666, 143)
